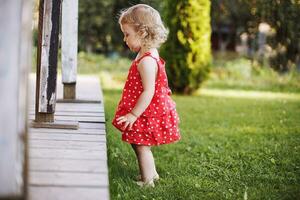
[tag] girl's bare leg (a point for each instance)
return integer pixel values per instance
(145, 161)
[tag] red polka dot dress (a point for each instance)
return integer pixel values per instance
(158, 124)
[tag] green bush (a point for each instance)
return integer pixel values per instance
(188, 49)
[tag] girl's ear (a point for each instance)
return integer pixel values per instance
(143, 31)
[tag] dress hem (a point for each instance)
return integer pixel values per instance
(147, 144)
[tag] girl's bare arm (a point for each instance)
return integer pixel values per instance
(148, 69)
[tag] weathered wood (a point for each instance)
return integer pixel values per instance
(69, 46)
(56, 144)
(67, 137)
(68, 193)
(44, 117)
(77, 101)
(70, 124)
(68, 179)
(83, 154)
(58, 165)
(59, 120)
(80, 131)
(92, 125)
(64, 161)
(80, 114)
(15, 53)
(69, 91)
(49, 14)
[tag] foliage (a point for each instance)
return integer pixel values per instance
(187, 50)
(231, 148)
(99, 30)
(230, 71)
(281, 15)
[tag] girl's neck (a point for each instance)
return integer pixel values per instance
(143, 51)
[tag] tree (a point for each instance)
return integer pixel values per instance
(188, 49)
(281, 15)
(284, 17)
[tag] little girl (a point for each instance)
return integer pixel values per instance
(146, 114)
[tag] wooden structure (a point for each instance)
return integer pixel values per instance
(71, 164)
(49, 16)
(15, 60)
(66, 159)
(69, 47)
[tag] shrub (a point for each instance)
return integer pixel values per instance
(187, 50)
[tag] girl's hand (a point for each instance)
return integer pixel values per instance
(129, 119)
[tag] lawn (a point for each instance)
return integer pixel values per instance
(240, 135)
(232, 148)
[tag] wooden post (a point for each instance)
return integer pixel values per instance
(45, 100)
(15, 61)
(69, 47)
(49, 15)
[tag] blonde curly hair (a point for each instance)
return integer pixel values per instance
(147, 23)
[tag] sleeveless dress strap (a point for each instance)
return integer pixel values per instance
(146, 54)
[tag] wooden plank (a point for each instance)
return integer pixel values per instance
(58, 144)
(92, 125)
(58, 165)
(63, 162)
(73, 113)
(74, 118)
(67, 137)
(67, 193)
(15, 51)
(77, 100)
(92, 166)
(49, 15)
(83, 154)
(80, 131)
(68, 179)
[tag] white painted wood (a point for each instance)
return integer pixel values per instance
(66, 145)
(69, 40)
(70, 164)
(80, 131)
(70, 113)
(69, 179)
(58, 165)
(67, 137)
(68, 193)
(15, 45)
(83, 154)
(75, 118)
(92, 126)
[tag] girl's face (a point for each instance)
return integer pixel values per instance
(131, 38)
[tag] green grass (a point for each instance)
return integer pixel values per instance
(231, 148)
